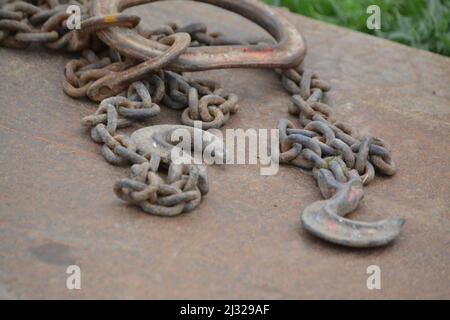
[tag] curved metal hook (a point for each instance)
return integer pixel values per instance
(325, 219)
(116, 82)
(161, 139)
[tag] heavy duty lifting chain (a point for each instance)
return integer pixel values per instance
(131, 71)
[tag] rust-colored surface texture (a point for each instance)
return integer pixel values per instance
(57, 207)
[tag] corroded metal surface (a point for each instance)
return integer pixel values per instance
(243, 241)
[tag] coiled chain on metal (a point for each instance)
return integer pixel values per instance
(24, 23)
(328, 147)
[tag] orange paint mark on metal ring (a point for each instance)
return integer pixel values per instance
(331, 224)
(266, 50)
(353, 194)
(259, 55)
(110, 19)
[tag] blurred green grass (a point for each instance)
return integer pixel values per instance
(423, 24)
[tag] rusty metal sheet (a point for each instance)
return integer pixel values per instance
(244, 241)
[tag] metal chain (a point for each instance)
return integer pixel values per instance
(328, 147)
(24, 23)
(340, 159)
(198, 32)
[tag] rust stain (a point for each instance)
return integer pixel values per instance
(54, 253)
(51, 142)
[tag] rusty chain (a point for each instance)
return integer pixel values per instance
(340, 159)
(24, 23)
(334, 152)
(322, 138)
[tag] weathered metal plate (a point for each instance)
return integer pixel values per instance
(57, 206)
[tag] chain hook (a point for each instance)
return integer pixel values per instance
(325, 218)
(116, 82)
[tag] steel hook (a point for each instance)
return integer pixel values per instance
(116, 82)
(162, 139)
(325, 218)
(158, 144)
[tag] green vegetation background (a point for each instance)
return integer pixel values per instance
(423, 24)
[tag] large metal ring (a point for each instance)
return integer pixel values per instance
(289, 50)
